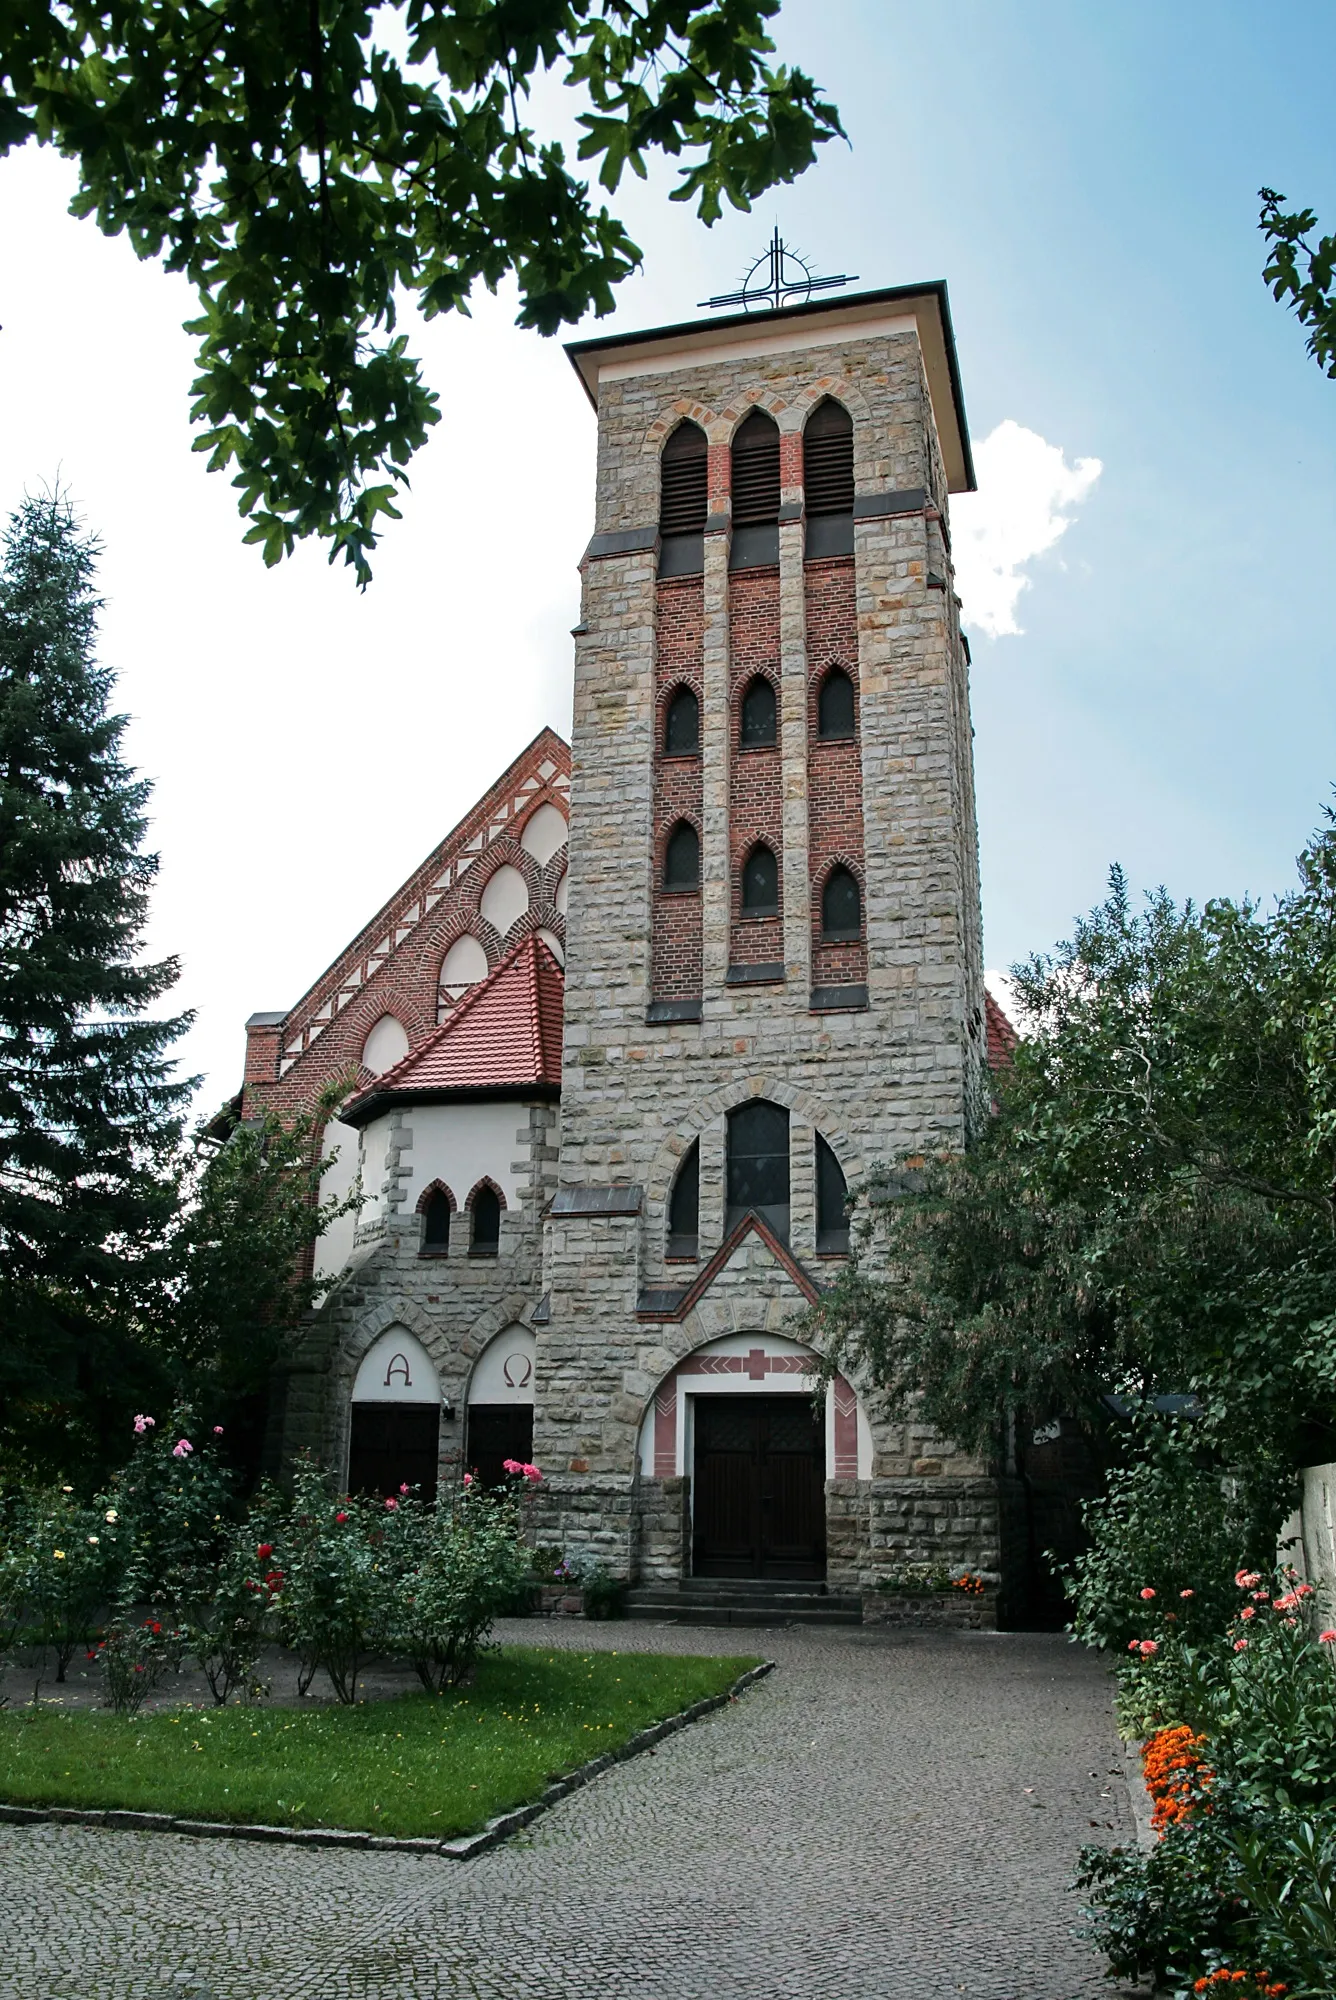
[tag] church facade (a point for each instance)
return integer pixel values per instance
(624, 1039)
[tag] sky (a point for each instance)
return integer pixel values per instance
(1146, 567)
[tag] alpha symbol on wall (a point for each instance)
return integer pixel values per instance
(518, 1371)
(779, 277)
(398, 1371)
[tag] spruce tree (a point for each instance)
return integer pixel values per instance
(90, 1105)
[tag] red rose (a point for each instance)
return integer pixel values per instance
(340, 1519)
(265, 1549)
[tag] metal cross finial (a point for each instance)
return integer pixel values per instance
(779, 277)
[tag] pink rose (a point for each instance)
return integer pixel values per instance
(1247, 1579)
(1131, 1645)
(143, 1424)
(468, 1479)
(182, 1448)
(1147, 1647)
(1328, 1637)
(391, 1504)
(1148, 1593)
(1248, 1611)
(217, 1430)
(531, 1473)
(1240, 1645)
(1187, 1593)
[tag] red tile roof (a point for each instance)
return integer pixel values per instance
(1002, 1037)
(504, 1035)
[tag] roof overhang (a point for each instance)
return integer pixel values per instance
(821, 323)
(373, 1102)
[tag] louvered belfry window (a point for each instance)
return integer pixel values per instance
(683, 501)
(828, 481)
(756, 472)
(755, 493)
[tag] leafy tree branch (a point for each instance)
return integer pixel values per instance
(303, 178)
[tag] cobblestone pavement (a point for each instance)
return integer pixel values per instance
(888, 1814)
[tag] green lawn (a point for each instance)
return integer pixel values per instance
(420, 1764)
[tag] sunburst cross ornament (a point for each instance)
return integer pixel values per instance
(779, 277)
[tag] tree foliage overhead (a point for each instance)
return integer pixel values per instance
(1302, 271)
(1152, 1212)
(302, 173)
(90, 1106)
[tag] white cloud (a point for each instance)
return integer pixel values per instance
(1026, 493)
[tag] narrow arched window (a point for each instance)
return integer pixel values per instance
(835, 707)
(436, 1223)
(755, 492)
(832, 1194)
(486, 1217)
(760, 884)
(681, 725)
(841, 907)
(828, 481)
(683, 501)
(758, 723)
(684, 1206)
(758, 1164)
(681, 859)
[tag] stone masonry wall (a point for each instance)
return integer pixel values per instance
(900, 1076)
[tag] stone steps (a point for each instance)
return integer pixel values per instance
(742, 1601)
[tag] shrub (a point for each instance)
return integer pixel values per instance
(336, 1601)
(58, 1569)
(173, 1503)
(134, 1658)
(471, 1568)
(227, 1633)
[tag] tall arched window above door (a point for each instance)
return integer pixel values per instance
(755, 492)
(758, 1164)
(832, 1193)
(828, 481)
(683, 501)
(684, 1206)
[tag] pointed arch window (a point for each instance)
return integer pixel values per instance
(681, 860)
(681, 725)
(836, 714)
(683, 501)
(832, 1194)
(755, 492)
(758, 718)
(841, 908)
(485, 1217)
(436, 1223)
(684, 1206)
(828, 481)
(760, 883)
(758, 1164)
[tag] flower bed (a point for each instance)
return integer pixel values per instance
(931, 1593)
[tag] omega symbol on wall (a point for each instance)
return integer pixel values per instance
(518, 1371)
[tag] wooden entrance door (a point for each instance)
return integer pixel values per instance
(393, 1445)
(758, 1487)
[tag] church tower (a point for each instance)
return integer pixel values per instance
(773, 972)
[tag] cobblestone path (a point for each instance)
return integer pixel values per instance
(887, 1815)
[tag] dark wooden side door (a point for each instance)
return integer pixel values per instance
(758, 1487)
(394, 1445)
(496, 1432)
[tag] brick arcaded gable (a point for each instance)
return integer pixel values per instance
(835, 768)
(678, 787)
(393, 965)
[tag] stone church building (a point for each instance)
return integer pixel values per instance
(624, 1038)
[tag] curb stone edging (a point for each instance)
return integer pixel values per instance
(461, 1848)
(1142, 1803)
